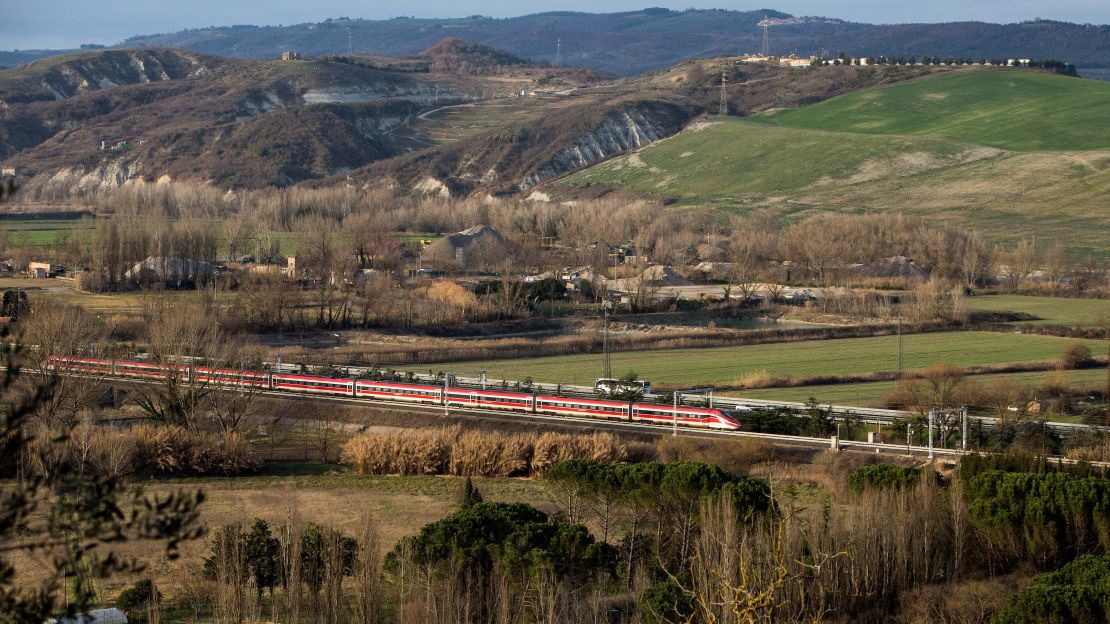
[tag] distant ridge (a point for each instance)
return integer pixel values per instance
(633, 42)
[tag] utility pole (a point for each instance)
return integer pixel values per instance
(677, 399)
(1106, 397)
(349, 43)
(901, 351)
(558, 52)
(605, 344)
(724, 93)
(963, 417)
(932, 419)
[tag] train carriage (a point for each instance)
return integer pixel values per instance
(85, 365)
(147, 370)
(568, 406)
(688, 416)
(315, 385)
(413, 393)
(231, 377)
(467, 397)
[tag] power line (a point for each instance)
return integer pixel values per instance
(766, 35)
(724, 93)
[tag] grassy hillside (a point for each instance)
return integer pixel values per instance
(763, 163)
(1013, 110)
(739, 160)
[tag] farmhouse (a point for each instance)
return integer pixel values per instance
(44, 269)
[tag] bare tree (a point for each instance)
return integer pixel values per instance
(975, 261)
(1056, 265)
(179, 339)
(196, 594)
(237, 236)
(57, 329)
(1021, 262)
(368, 600)
(1011, 400)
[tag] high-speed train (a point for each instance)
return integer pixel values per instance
(705, 418)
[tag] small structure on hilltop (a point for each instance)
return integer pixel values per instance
(478, 247)
(290, 55)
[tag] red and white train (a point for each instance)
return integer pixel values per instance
(705, 418)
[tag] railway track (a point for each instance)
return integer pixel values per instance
(617, 426)
(613, 426)
(867, 415)
(610, 423)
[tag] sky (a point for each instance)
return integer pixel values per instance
(33, 24)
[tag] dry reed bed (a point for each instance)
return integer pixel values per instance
(141, 451)
(459, 452)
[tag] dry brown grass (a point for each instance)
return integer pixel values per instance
(1094, 453)
(400, 506)
(971, 601)
(735, 456)
(455, 451)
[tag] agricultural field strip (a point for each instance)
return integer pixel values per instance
(45, 232)
(1048, 310)
(811, 358)
(870, 394)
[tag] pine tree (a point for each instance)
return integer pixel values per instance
(469, 495)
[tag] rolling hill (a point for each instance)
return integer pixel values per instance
(1012, 154)
(458, 118)
(97, 119)
(508, 146)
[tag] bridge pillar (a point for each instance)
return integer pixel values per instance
(834, 443)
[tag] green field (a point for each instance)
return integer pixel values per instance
(872, 394)
(727, 365)
(792, 166)
(1012, 110)
(43, 232)
(1048, 310)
